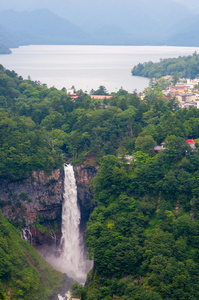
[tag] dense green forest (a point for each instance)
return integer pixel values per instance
(144, 232)
(41, 126)
(183, 66)
(23, 273)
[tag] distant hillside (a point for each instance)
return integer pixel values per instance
(38, 27)
(187, 33)
(143, 22)
(140, 23)
(186, 67)
(7, 38)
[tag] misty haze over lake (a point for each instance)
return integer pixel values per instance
(87, 67)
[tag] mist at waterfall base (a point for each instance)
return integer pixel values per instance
(71, 257)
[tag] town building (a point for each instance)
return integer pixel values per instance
(188, 104)
(70, 91)
(159, 147)
(191, 143)
(178, 89)
(74, 96)
(186, 97)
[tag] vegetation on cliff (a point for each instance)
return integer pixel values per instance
(23, 273)
(183, 66)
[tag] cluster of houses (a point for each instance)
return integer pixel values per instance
(159, 148)
(74, 95)
(71, 93)
(186, 91)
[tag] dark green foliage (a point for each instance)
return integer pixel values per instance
(145, 144)
(24, 148)
(100, 91)
(37, 124)
(142, 236)
(184, 67)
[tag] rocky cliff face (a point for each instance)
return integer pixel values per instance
(84, 175)
(36, 203)
(35, 200)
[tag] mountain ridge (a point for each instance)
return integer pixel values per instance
(141, 25)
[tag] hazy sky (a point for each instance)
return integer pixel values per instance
(65, 6)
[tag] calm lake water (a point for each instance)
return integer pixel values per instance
(87, 67)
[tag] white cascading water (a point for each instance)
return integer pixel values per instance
(26, 234)
(72, 259)
(72, 251)
(66, 297)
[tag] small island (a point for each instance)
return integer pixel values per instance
(4, 49)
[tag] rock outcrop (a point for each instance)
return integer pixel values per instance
(84, 175)
(35, 204)
(35, 200)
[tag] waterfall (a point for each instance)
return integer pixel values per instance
(72, 248)
(67, 296)
(72, 255)
(26, 234)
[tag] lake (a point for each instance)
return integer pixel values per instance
(87, 67)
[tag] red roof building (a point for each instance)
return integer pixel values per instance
(190, 141)
(74, 96)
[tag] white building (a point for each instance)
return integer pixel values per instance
(186, 97)
(70, 91)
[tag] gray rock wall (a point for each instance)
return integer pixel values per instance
(39, 196)
(84, 175)
(36, 203)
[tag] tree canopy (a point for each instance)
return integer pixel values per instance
(40, 126)
(143, 234)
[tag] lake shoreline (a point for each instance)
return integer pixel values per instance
(87, 66)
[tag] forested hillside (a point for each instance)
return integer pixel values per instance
(183, 66)
(40, 126)
(143, 234)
